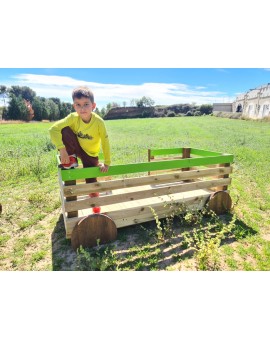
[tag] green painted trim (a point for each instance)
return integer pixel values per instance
(82, 173)
(174, 151)
(160, 152)
(199, 152)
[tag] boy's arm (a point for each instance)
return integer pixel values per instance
(56, 128)
(105, 145)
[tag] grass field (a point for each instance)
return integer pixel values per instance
(31, 225)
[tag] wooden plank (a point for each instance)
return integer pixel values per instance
(84, 189)
(160, 204)
(143, 192)
(120, 223)
(130, 215)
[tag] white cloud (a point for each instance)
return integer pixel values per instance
(161, 93)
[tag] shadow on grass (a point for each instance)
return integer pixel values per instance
(240, 230)
(62, 254)
(141, 247)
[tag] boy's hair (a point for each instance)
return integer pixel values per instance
(83, 91)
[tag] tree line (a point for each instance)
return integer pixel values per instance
(24, 104)
(22, 100)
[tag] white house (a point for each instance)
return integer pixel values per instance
(255, 103)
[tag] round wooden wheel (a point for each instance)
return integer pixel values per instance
(92, 228)
(220, 202)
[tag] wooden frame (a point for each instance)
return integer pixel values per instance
(171, 178)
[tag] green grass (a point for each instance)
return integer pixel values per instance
(32, 233)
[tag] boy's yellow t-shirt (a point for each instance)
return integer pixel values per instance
(90, 135)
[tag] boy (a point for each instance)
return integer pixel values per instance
(80, 134)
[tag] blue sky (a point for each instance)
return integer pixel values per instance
(164, 85)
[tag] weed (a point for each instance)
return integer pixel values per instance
(232, 263)
(159, 232)
(205, 241)
(38, 255)
(98, 259)
(4, 239)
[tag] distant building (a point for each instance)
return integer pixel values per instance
(222, 107)
(255, 103)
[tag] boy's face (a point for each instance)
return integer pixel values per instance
(84, 107)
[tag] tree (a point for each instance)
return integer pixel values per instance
(24, 91)
(108, 107)
(206, 109)
(102, 112)
(17, 109)
(3, 89)
(114, 104)
(38, 108)
(3, 93)
(143, 102)
(53, 109)
(147, 101)
(65, 109)
(56, 100)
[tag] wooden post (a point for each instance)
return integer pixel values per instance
(149, 159)
(224, 187)
(71, 198)
(186, 154)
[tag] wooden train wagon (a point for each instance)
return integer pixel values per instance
(179, 176)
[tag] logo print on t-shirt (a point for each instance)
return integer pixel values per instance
(84, 136)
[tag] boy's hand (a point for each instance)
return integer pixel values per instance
(64, 157)
(103, 167)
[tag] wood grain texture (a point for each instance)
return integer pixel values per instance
(92, 230)
(220, 202)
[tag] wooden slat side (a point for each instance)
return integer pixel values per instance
(144, 193)
(134, 215)
(84, 189)
(150, 217)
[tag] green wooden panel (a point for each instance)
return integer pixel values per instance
(162, 152)
(174, 151)
(144, 167)
(199, 152)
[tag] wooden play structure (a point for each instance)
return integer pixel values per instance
(191, 177)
